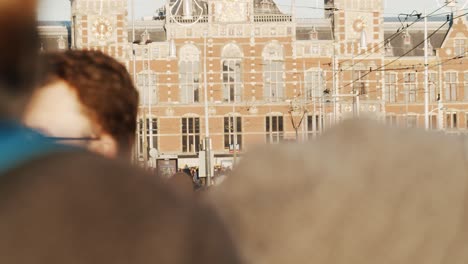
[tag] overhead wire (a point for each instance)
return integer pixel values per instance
(399, 57)
(382, 44)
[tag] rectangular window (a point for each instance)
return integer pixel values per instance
(451, 86)
(147, 82)
(391, 87)
(190, 134)
(232, 83)
(391, 120)
(466, 120)
(232, 133)
(189, 81)
(451, 120)
(360, 84)
(465, 86)
(140, 146)
(433, 124)
(149, 137)
(409, 79)
(274, 129)
(412, 121)
(313, 84)
(314, 125)
(433, 84)
(273, 80)
(460, 45)
(152, 133)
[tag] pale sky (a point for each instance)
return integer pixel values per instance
(60, 9)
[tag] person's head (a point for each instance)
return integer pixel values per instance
(19, 48)
(182, 182)
(87, 97)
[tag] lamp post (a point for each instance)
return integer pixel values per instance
(189, 19)
(207, 123)
(426, 77)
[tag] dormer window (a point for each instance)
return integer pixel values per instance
(430, 48)
(406, 38)
(145, 37)
(313, 34)
(265, 5)
(61, 43)
(388, 49)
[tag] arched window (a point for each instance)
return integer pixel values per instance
(147, 81)
(232, 73)
(189, 73)
(273, 72)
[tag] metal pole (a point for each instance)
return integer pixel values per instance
(357, 105)
(335, 92)
(150, 118)
(426, 76)
(207, 129)
(234, 119)
(134, 67)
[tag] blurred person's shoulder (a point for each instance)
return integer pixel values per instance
(83, 191)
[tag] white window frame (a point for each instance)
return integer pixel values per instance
(391, 88)
(391, 120)
(410, 86)
(451, 120)
(273, 77)
(189, 74)
(273, 72)
(274, 133)
(230, 133)
(433, 81)
(314, 124)
(465, 85)
(232, 80)
(147, 81)
(313, 83)
(450, 85)
(191, 133)
(459, 46)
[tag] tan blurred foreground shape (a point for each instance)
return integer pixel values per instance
(362, 193)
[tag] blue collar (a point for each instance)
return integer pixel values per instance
(18, 144)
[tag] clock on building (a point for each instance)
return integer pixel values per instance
(356, 23)
(102, 29)
(359, 24)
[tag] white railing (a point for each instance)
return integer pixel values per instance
(182, 20)
(272, 18)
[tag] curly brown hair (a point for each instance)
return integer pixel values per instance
(104, 88)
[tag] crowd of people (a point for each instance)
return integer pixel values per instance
(361, 193)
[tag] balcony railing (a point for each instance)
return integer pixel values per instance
(272, 18)
(182, 20)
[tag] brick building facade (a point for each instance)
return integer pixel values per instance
(271, 76)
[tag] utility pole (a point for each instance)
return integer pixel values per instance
(426, 76)
(150, 115)
(207, 128)
(335, 90)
